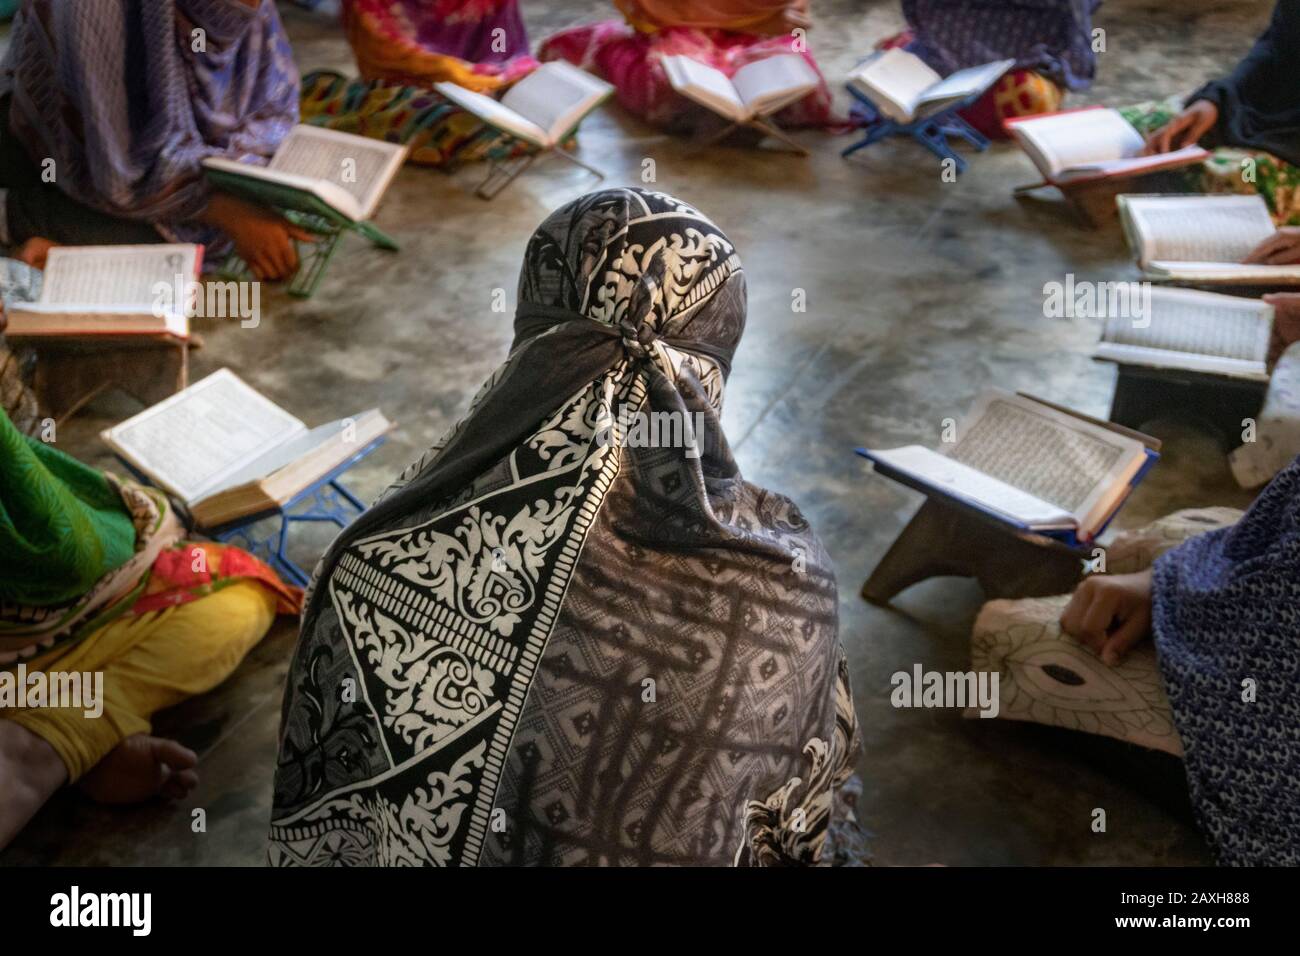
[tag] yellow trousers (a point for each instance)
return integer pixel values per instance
(149, 662)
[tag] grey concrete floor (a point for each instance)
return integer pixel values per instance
(919, 294)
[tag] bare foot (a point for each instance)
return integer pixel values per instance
(34, 251)
(141, 767)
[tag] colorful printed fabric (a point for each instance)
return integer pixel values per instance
(1226, 617)
(1229, 169)
(62, 524)
(757, 17)
(128, 99)
(194, 569)
(631, 62)
(1049, 37)
(478, 44)
(481, 612)
(79, 549)
(438, 131)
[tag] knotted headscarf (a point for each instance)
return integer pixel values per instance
(549, 643)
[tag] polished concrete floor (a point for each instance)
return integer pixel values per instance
(919, 294)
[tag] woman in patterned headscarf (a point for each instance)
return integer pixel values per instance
(572, 633)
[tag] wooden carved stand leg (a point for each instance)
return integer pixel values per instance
(944, 540)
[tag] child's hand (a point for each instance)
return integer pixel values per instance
(1110, 613)
(1280, 249)
(262, 238)
(1185, 129)
(1286, 324)
(34, 252)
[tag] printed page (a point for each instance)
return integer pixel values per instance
(361, 166)
(1070, 463)
(326, 445)
(194, 440)
(1199, 228)
(1200, 323)
(82, 278)
(895, 80)
(961, 84)
(555, 96)
(771, 84)
(1082, 138)
(932, 468)
(706, 86)
(241, 177)
(494, 114)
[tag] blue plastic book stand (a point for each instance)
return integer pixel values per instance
(931, 131)
(266, 534)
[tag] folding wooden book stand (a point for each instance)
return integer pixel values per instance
(1093, 202)
(70, 372)
(945, 539)
(504, 167)
(1218, 402)
(931, 131)
(761, 126)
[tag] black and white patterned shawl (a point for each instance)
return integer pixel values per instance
(544, 647)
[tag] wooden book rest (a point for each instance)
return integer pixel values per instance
(1216, 402)
(70, 372)
(944, 539)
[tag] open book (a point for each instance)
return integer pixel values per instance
(1193, 331)
(1201, 239)
(226, 451)
(316, 170)
(904, 88)
(1089, 144)
(542, 109)
(112, 290)
(1035, 465)
(757, 89)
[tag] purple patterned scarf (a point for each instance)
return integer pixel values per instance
(127, 97)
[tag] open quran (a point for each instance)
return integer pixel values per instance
(1029, 463)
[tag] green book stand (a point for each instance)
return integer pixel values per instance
(305, 210)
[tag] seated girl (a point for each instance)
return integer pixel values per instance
(402, 48)
(1252, 117)
(108, 109)
(726, 34)
(98, 590)
(1217, 595)
(572, 633)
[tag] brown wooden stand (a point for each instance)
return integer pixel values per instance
(70, 372)
(1093, 203)
(943, 539)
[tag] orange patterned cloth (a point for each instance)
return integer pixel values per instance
(760, 17)
(190, 570)
(478, 44)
